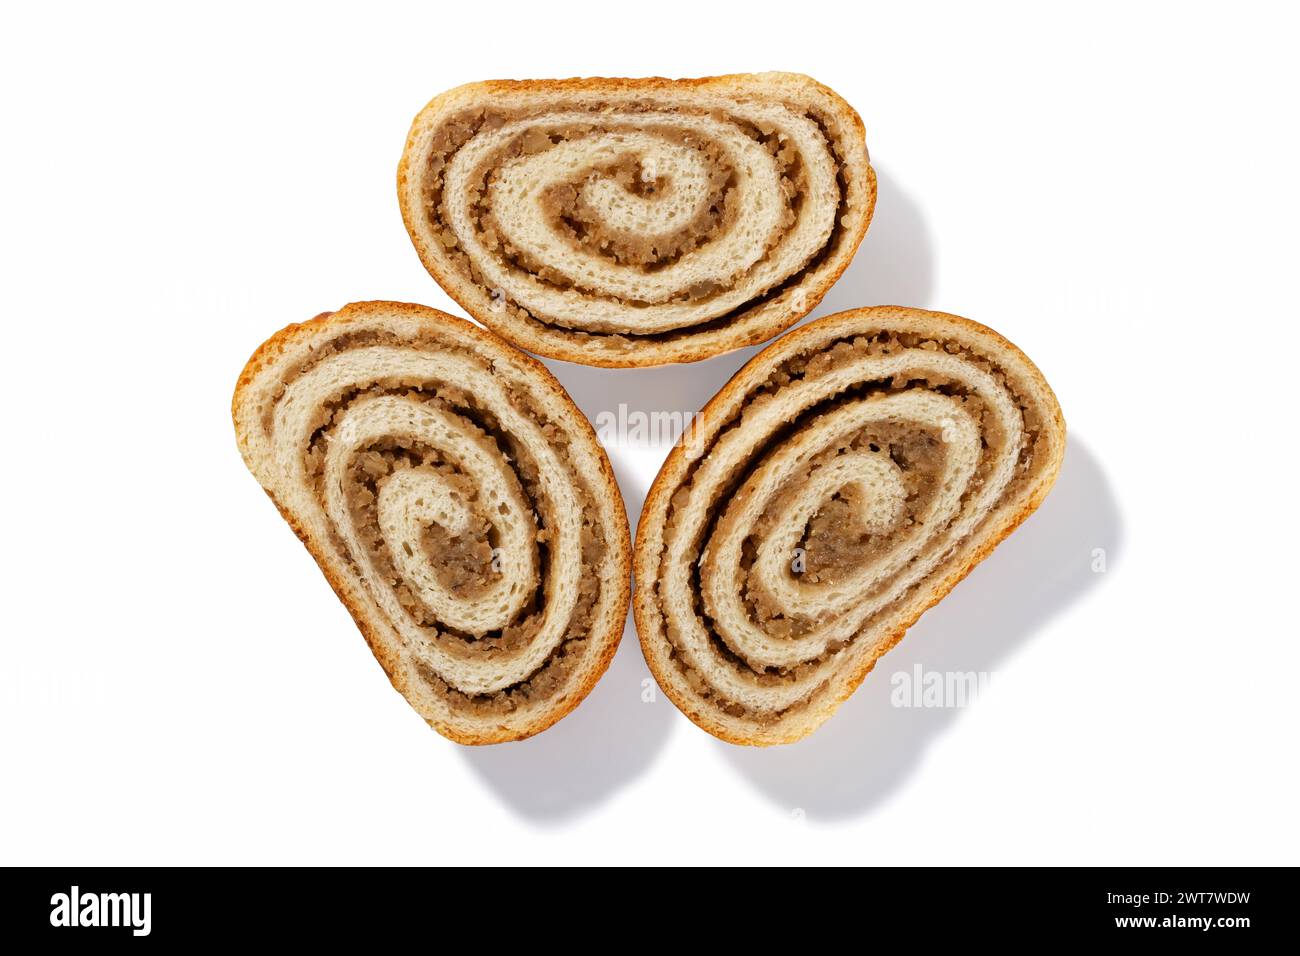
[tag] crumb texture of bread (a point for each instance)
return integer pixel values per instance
(456, 500)
(839, 485)
(630, 222)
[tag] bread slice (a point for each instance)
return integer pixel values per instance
(840, 484)
(457, 501)
(622, 222)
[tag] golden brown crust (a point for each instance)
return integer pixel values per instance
(751, 374)
(619, 551)
(688, 348)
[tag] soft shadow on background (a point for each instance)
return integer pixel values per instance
(574, 766)
(613, 737)
(869, 747)
(894, 264)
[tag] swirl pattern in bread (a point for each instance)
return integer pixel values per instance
(843, 482)
(637, 222)
(457, 501)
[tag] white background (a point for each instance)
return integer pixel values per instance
(1114, 189)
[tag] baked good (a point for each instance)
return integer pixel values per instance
(622, 222)
(840, 484)
(457, 501)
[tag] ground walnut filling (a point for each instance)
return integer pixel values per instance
(840, 537)
(462, 561)
(584, 229)
(572, 216)
(844, 535)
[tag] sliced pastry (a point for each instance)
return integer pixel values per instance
(625, 222)
(457, 501)
(840, 484)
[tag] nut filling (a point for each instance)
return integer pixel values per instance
(461, 508)
(801, 528)
(592, 226)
